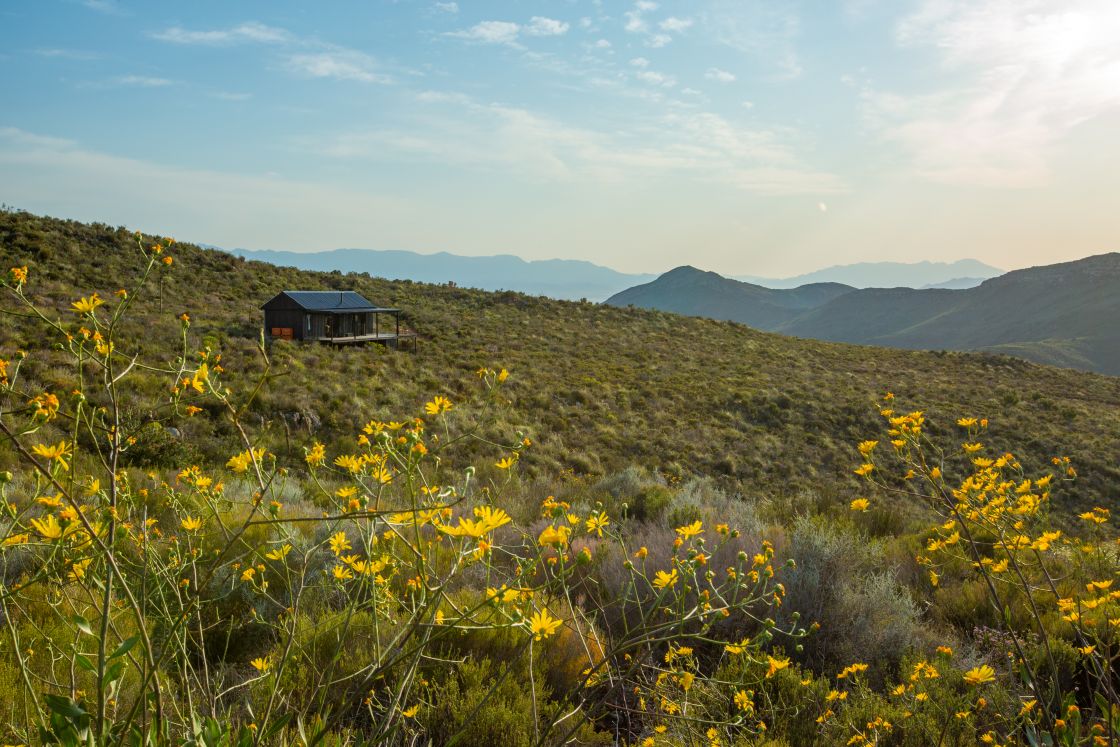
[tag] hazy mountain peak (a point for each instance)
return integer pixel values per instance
(889, 275)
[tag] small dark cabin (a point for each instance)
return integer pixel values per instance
(332, 316)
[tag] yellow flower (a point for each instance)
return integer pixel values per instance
(866, 447)
(19, 274)
(690, 530)
(641, 552)
(503, 375)
(48, 526)
(506, 462)
(241, 462)
(665, 579)
(1045, 540)
(865, 469)
(1097, 516)
(339, 543)
(248, 573)
(972, 448)
(489, 519)
(542, 625)
(78, 570)
(980, 675)
(438, 406)
(191, 524)
(686, 681)
(279, 553)
(342, 573)
(966, 422)
(411, 712)
(87, 305)
(775, 665)
(596, 523)
(261, 664)
(554, 536)
(852, 669)
(316, 454)
(860, 504)
(46, 405)
(57, 453)
(743, 701)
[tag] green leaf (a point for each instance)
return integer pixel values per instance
(113, 673)
(64, 707)
(125, 647)
(276, 726)
(82, 624)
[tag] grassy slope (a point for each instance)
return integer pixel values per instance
(599, 388)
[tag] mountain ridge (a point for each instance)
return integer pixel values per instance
(566, 279)
(919, 274)
(1063, 314)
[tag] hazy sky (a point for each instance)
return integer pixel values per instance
(763, 137)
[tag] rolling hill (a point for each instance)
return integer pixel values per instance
(1065, 314)
(598, 388)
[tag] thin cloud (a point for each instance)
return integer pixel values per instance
(714, 73)
(68, 54)
(447, 7)
(701, 146)
(541, 26)
(1020, 76)
(657, 79)
(767, 32)
(341, 64)
(130, 81)
(489, 32)
(508, 32)
(672, 23)
(250, 32)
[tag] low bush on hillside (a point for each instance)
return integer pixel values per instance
(421, 580)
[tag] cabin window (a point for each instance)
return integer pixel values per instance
(309, 324)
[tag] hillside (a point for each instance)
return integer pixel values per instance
(556, 278)
(1066, 314)
(687, 290)
(555, 523)
(599, 388)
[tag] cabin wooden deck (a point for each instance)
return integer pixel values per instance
(391, 338)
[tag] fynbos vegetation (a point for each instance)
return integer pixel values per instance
(413, 581)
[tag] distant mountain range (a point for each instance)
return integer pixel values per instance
(964, 273)
(557, 278)
(1065, 314)
(576, 279)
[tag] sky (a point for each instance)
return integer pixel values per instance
(761, 137)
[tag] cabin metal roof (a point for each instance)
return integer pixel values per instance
(331, 302)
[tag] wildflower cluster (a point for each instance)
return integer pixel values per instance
(994, 528)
